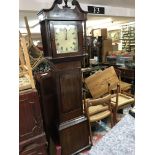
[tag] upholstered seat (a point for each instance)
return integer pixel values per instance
(99, 116)
(124, 86)
(96, 109)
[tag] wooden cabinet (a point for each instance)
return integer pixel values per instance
(127, 74)
(32, 139)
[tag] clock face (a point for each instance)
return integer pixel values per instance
(66, 38)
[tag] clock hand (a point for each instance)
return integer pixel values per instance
(65, 34)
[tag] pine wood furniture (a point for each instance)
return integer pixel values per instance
(119, 101)
(97, 83)
(107, 81)
(124, 86)
(26, 80)
(98, 109)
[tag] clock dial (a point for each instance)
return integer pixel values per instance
(66, 38)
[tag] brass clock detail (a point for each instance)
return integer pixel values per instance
(63, 31)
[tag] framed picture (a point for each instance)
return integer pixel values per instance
(115, 35)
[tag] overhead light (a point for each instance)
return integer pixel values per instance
(128, 23)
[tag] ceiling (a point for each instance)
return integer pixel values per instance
(33, 19)
(114, 3)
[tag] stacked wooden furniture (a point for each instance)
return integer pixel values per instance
(32, 139)
(102, 82)
(35, 54)
(26, 80)
(97, 83)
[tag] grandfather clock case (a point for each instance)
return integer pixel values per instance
(61, 89)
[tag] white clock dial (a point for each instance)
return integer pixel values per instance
(66, 38)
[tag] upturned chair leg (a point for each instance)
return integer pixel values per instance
(91, 136)
(112, 120)
(114, 115)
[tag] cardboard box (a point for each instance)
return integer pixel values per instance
(106, 47)
(104, 33)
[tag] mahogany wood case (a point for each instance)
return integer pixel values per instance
(60, 89)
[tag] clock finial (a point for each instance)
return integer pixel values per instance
(58, 1)
(66, 5)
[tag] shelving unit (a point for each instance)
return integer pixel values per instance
(128, 37)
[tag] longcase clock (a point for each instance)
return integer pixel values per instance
(62, 30)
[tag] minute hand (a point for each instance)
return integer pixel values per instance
(65, 34)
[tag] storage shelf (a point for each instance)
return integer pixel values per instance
(128, 38)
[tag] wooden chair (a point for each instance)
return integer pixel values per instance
(119, 101)
(98, 109)
(102, 83)
(124, 86)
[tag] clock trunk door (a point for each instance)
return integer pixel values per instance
(70, 94)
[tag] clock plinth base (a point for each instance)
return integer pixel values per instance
(74, 135)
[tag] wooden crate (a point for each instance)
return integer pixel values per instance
(98, 82)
